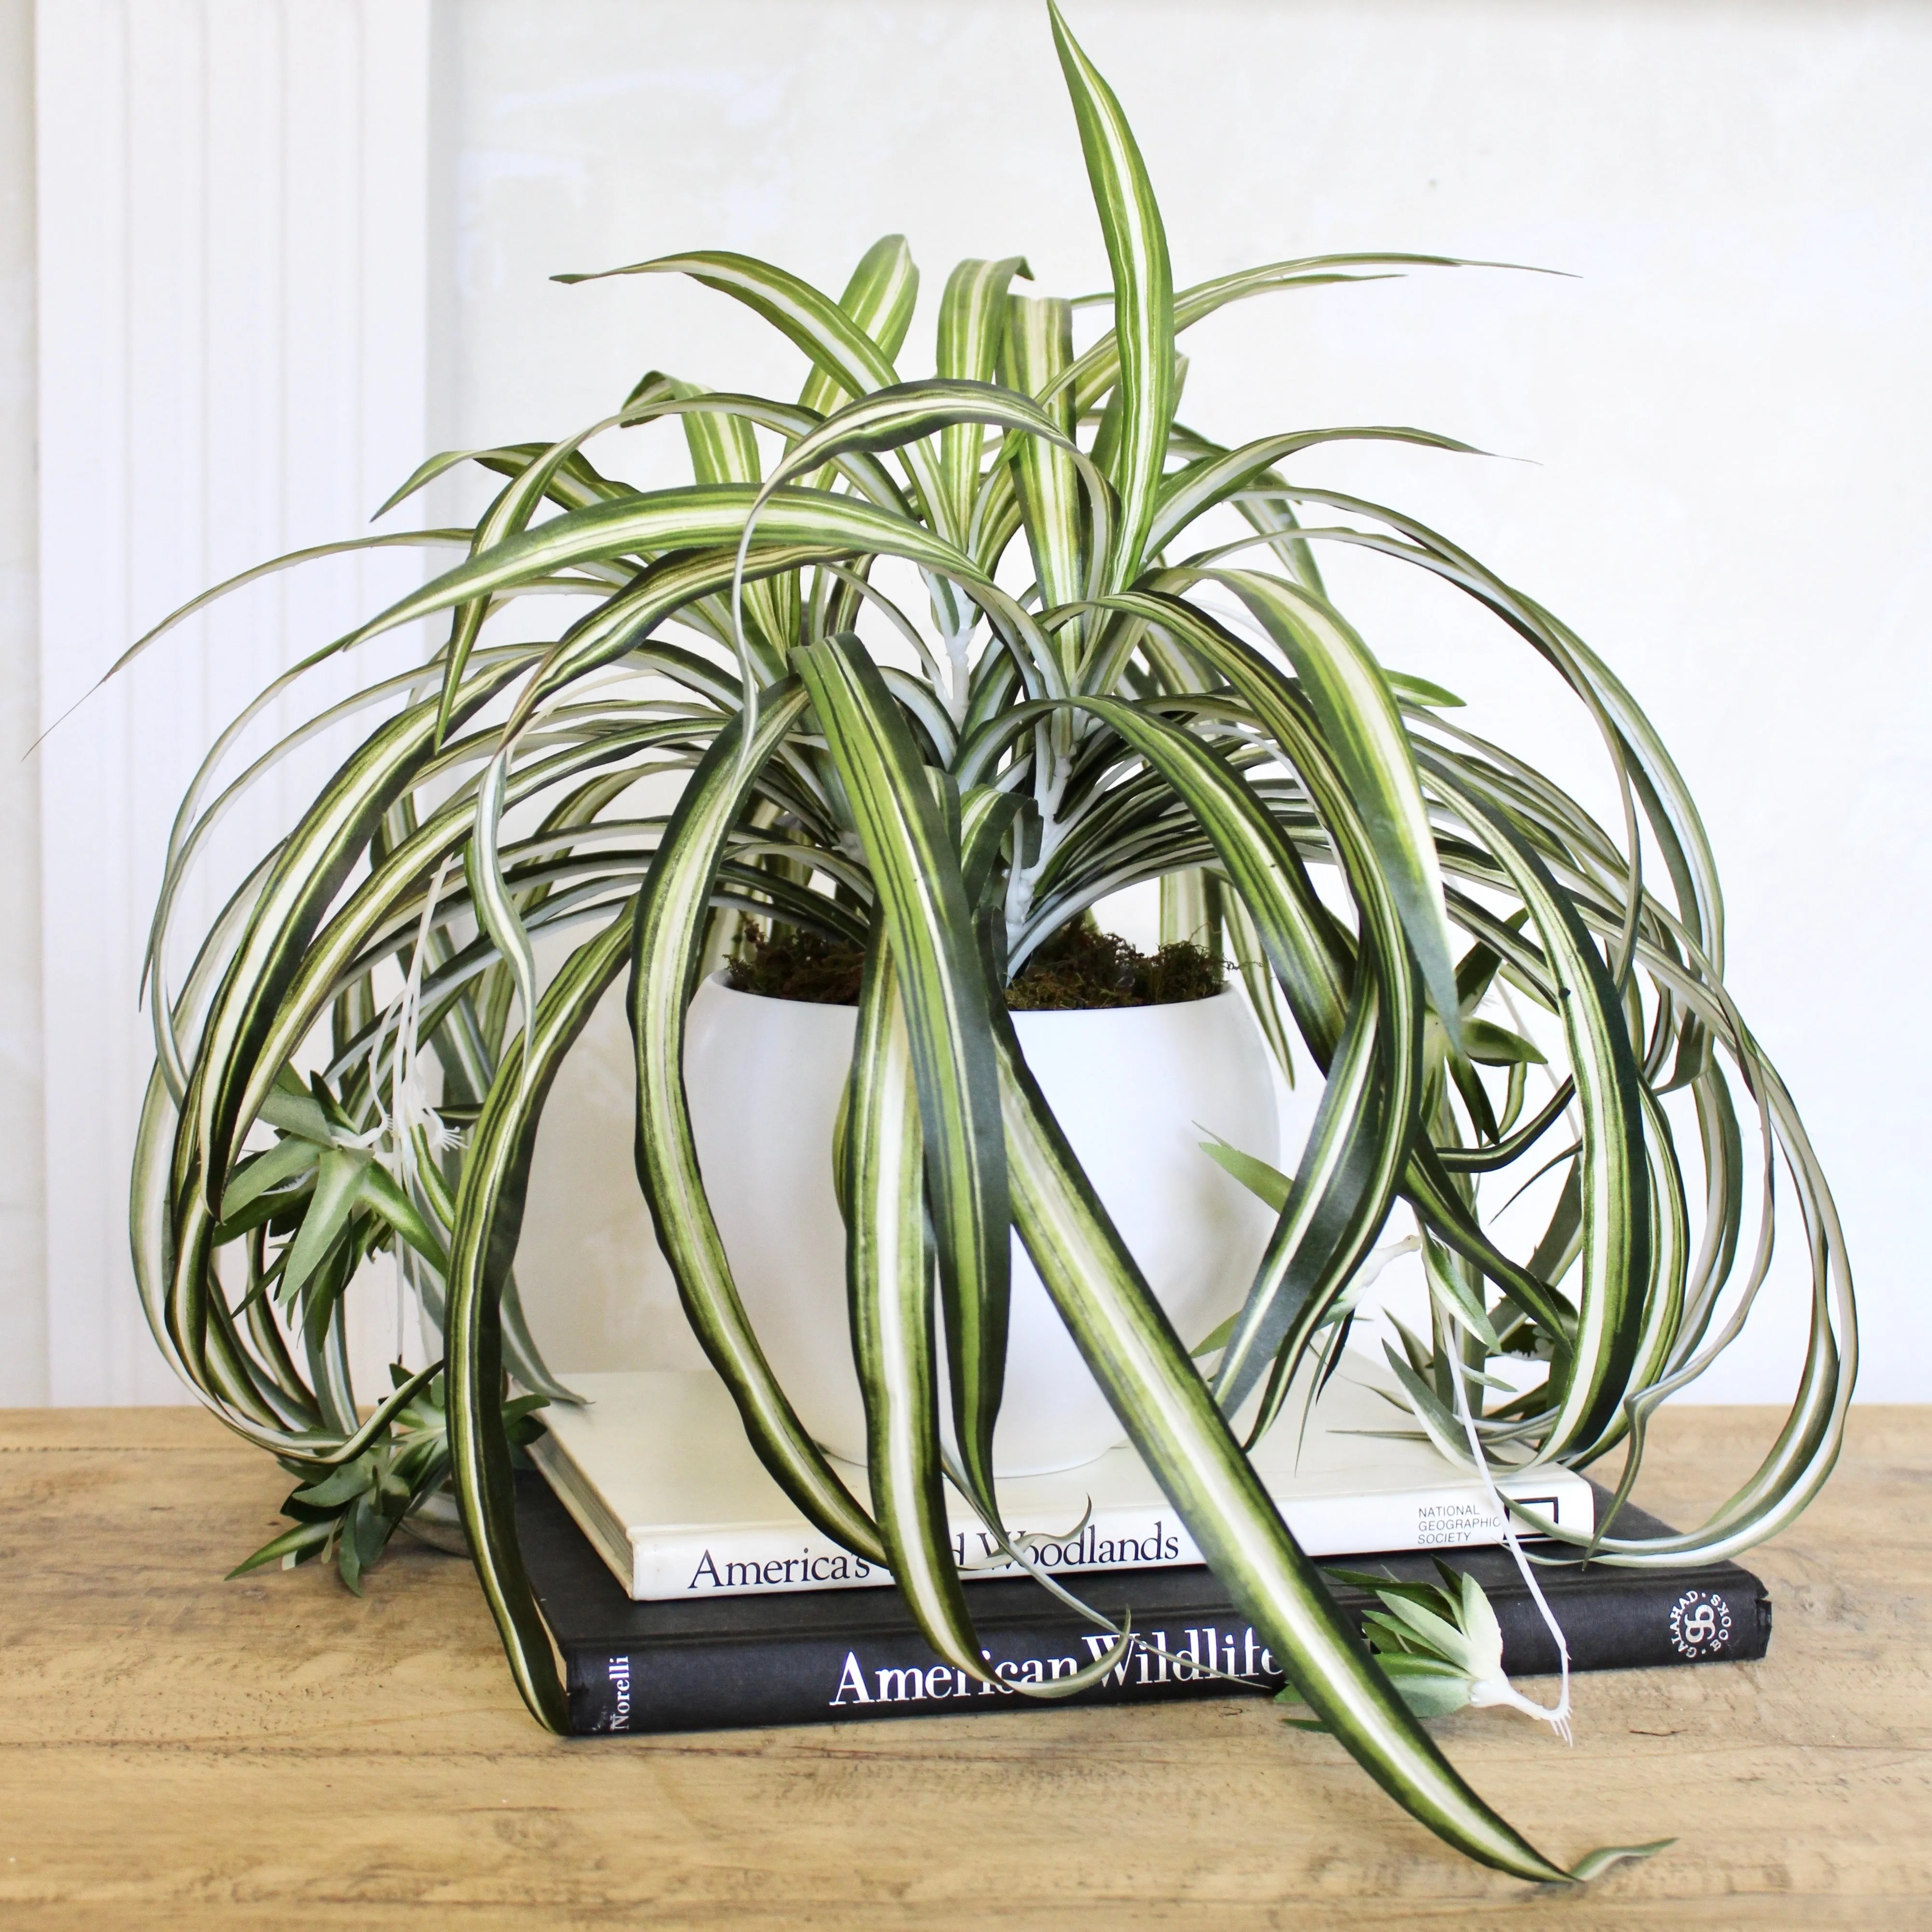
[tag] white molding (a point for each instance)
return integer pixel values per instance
(234, 221)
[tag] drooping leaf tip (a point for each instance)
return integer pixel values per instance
(1594, 1865)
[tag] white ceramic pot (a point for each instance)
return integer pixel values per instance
(1133, 1088)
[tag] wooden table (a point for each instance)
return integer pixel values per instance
(275, 1752)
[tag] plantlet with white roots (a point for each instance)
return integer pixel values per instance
(936, 665)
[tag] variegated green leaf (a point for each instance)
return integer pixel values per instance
(889, 1274)
(1616, 1191)
(972, 323)
(879, 299)
(1037, 347)
(1181, 1434)
(1144, 298)
(839, 348)
(489, 1216)
(1366, 737)
(665, 940)
(306, 877)
(929, 924)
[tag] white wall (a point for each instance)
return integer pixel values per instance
(233, 200)
(1724, 415)
(23, 1311)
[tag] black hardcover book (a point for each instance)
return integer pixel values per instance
(824, 1656)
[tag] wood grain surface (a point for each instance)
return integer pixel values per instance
(273, 1752)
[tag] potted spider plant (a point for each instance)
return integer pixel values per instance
(934, 666)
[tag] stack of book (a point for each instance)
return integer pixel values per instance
(686, 1593)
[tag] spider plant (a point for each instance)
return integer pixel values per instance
(934, 666)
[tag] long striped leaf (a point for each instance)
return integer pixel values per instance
(489, 1217)
(193, 825)
(811, 320)
(671, 520)
(1192, 492)
(1144, 298)
(972, 322)
(1320, 1020)
(1614, 1168)
(1038, 346)
(1181, 1434)
(1358, 1141)
(663, 590)
(1099, 369)
(666, 941)
(897, 416)
(838, 346)
(517, 503)
(789, 420)
(1364, 732)
(1631, 738)
(311, 870)
(489, 893)
(916, 866)
(878, 299)
(889, 1273)
(333, 951)
(890, 418)
(889, 1277)
(1339, 1182)
(723, 450)
(441, 539)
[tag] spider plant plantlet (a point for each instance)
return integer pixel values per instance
(934, 666)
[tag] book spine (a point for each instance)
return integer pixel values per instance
(758, 1562)
(1629, 1621)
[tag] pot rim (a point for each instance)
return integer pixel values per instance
(1229, 991)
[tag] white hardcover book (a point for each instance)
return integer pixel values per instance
(656, 1469)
